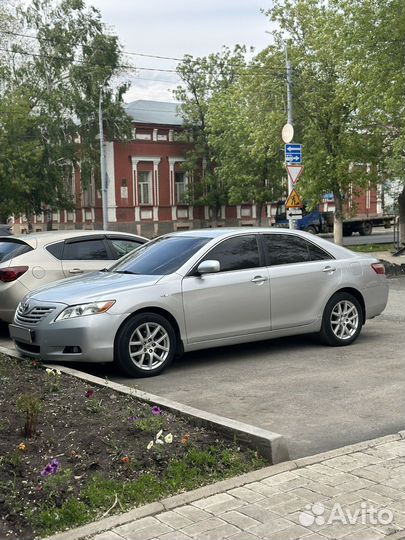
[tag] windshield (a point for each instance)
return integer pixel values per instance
(160, 257)
(12, 248)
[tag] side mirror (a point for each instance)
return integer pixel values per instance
(208, 267)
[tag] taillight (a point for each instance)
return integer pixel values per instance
(12, 273)
(378, 268)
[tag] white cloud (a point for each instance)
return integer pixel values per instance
(177, 28)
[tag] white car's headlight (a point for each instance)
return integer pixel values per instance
(81, 310)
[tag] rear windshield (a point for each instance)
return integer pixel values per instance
(160, 257)
(12, 248)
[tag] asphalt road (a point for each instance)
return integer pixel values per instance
(318, 397)
(379, 236)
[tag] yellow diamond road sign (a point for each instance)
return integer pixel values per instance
(294, 200)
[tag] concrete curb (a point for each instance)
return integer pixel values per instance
(186, 498)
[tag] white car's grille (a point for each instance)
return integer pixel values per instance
(32, 316)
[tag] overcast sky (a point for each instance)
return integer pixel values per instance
(177, 27)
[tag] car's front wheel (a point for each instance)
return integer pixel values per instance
(145, 345)
(342, 320)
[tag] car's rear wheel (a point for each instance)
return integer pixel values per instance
(145, 345)
(342, 320)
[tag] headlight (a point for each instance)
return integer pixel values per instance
(82, 310)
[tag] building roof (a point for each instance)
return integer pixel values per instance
(154, 112)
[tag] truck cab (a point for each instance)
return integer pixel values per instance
(313, 222)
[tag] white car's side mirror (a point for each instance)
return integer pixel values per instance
(208, 267)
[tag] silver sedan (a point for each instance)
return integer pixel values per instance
(198, 289)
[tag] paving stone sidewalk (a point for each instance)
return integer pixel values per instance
(356, 492)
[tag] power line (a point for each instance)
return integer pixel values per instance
(8, 32)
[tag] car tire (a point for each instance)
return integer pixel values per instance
(366, 228)
(145, 345)
(342, 320)
(311, 229)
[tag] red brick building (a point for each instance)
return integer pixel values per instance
(147, 186)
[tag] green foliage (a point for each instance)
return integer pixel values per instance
(49, 103)
(202, 79)
(30, 405)
(100, 494)
(150, 424)
(71, 514)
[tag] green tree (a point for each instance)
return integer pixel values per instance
(326, 96)
(56, 84)
(376, 47)
(245, 122)
(203, 78)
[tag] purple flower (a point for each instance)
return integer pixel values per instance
(51, 469)
(157, 411)
(133, 419)
(89, 393)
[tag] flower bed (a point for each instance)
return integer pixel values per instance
(72, 453)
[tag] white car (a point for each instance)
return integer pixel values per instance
(29, 261)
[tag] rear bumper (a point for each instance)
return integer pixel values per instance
(376, 298)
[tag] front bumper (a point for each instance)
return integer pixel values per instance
(91, 336)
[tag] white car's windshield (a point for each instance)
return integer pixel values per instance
(162, 256)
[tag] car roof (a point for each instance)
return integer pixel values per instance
(46, 237)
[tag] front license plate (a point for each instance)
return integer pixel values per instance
(21, 334)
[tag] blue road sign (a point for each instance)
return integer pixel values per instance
(293, 153)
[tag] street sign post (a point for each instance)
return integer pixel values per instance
(294, 172)
(293, 153)
(293, 200)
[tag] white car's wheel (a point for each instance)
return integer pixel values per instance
(145, 345)
(342, 320)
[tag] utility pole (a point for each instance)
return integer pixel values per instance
(289, 89)
(103, 168)
(291, 221)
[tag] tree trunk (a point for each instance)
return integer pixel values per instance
(259, 213)
(401, 207)
(338, 220)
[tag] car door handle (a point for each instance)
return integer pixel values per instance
(258, 279)
(329, 269)
(75, 271)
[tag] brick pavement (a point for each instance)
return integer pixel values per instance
(356, 492)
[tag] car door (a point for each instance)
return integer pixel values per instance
(85, 254)
(232, 302)
(302, 277)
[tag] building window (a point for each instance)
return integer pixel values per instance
(145, 187)
(180, 182)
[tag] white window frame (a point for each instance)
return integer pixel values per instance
(145, 188)
(180, 187)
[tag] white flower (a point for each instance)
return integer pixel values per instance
(50, 371)
(58, 372)
(169, 438)
(159, 434)
(159, 441)
(149, 445)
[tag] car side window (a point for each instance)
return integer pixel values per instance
(289, 249)
(86, 250)
(122, 246)
(236, 253)
(318, 254)
(56, 249)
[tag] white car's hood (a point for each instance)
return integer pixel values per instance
(91, 287)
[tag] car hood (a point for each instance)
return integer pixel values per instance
(91, 287)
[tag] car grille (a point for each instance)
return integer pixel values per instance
(33, 316)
